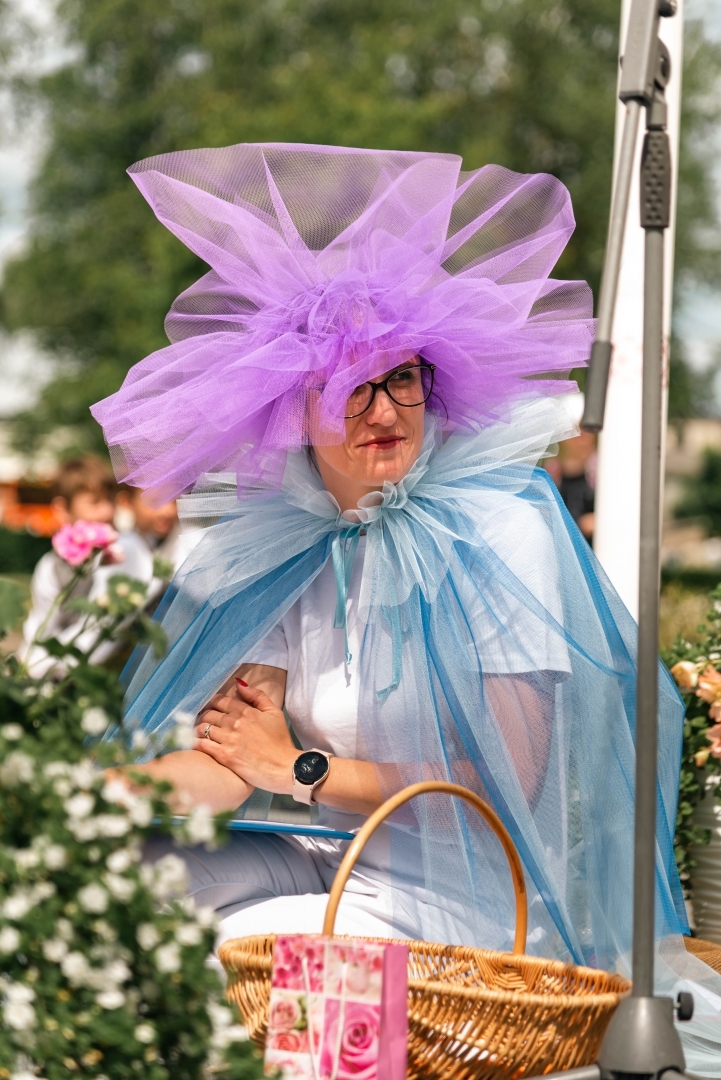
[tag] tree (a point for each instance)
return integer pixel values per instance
(526, 83)
(702, 493)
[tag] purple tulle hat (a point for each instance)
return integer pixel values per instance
(330, 266)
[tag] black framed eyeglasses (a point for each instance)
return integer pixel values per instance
(408, 387)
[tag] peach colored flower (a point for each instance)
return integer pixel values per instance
(709, 685)
(685, 674)
(714, 737)
(701, 757)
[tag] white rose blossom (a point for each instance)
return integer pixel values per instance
(224, 1030)
(80, 805)
(55, 856)
(167, 958)
(116, 972)
(200, 827)
(93, 898)
(148, 937)
(83, 830)
(167, 878)
(64, 929)
(17, 768)
(121, 860)
(18, 904)
(55, 950)
(141, 812)
(85, 774)
(145, 1033)
(139, 740)
(75, 968)
(26, 858)
(189, 934)
(122, 888)
(11, 732)
(111, 999)
(18, 1012)
(9, 940)
(112, 825)
(95, 721)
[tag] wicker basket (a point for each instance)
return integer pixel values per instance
(472, 1013)
(708, 951)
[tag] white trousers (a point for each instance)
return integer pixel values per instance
(265, 883)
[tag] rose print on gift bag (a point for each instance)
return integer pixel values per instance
(338, 1009)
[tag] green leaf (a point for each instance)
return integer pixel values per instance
(12, 604)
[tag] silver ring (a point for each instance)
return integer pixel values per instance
(206, 733)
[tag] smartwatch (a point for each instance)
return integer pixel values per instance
(310, 769)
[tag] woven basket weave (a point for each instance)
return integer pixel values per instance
(473, 1014)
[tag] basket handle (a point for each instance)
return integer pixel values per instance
(386, 809)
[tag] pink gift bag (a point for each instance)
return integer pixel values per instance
(338, 1009)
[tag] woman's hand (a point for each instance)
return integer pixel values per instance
(250, 737)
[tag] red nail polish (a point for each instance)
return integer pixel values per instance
(240, 682)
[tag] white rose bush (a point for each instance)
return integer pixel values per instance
(103, 961)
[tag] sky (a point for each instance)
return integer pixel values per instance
(23, 368)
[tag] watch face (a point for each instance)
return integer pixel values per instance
(310, 767)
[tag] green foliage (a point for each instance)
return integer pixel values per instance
(687, 662)
(103, 968)
(690, 392)
(12, 604)
(20, 551)
(702, 493)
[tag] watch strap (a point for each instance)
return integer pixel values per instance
(303, 793)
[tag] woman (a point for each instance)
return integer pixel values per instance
(357, 393)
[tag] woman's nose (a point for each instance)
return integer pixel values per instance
(382, 411)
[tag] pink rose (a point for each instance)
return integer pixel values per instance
(290, 1041)
(285, 1013)
(359, 1045)
(76, 543)
(113, 555)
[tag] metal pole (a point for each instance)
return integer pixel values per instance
(648, 607)
(600, 362)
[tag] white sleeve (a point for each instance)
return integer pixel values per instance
(44, 588)
(272, 650)
(514, 639)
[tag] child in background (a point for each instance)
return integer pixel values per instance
(146, 534)
(84, 490)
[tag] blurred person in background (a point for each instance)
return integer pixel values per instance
(84, 490)
(574, 471)
(148, 534)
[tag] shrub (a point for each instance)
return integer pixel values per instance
(103, 961)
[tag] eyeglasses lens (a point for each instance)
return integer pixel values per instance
(410, 386)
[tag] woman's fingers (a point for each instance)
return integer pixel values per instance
(212, 716)
(215, 750)
(223, 703)
(256, 698)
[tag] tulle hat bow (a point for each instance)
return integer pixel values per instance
(328, 267)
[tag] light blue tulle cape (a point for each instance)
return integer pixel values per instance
(481, 601)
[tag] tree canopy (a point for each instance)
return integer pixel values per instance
(526, 83)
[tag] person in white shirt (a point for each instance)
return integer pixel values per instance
(84, 490)
(148, 533)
